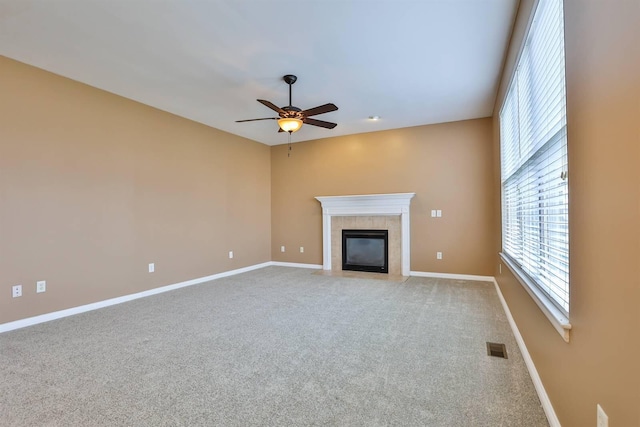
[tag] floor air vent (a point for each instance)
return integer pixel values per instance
(496, 350)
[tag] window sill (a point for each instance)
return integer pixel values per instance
(559, 321)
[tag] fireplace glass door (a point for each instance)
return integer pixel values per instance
(365, 250)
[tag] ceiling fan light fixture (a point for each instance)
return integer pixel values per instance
(289, 124)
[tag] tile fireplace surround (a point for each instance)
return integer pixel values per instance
(376, 206)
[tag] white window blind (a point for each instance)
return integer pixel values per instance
(533, 140)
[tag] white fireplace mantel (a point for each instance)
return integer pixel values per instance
(369, 205)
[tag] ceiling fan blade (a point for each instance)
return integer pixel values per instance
(320, 123)
(270, 105)
(253, 120)
(319, 110)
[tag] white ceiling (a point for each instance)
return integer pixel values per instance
(409, 62)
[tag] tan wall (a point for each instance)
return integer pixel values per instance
(93, 187)
(449, 167)
(601, 362)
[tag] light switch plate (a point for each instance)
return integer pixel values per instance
(438, 213)
(433, 213)
(152, 267)
(230, 254)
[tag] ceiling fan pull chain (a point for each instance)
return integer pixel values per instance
(289, 150)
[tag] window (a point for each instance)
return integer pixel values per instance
(533, 143)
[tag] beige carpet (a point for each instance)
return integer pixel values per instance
(274, 347)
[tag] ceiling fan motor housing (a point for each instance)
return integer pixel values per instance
(291, 112)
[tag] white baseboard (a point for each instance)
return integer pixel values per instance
(533, 372)
(452, 276)
(10, 326)
(295, 264)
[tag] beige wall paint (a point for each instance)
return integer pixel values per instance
(601, 362)
(93, 187)
(449, 167)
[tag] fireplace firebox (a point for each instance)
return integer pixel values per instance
(365, 250)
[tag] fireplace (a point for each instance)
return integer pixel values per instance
(367, 212)
(365, 250)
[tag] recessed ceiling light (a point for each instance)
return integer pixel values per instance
(374, 118)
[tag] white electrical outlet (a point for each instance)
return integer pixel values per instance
(281, 248)
(41, 286)
(152, 267)
(230, 254)
(438, 213)
(438, 255)
(16, 291)
(433, 213)
(301, 249)
(603, 420)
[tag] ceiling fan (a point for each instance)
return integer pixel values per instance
(291, 118)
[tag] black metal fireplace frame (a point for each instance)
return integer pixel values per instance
(366, 234)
